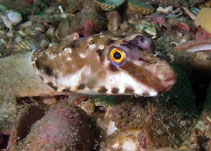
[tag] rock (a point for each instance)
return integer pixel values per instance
(14, 17)
(63, 127)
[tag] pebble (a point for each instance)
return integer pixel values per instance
(14, 17)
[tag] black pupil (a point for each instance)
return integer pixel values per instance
(117, 55)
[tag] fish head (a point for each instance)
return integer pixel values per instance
(131, 67)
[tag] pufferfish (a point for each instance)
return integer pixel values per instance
(105, 64)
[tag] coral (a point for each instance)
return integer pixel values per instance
(183, 26)
(159, 20)
(202, 34)
(90, 26)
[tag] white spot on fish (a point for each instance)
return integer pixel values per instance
(122, 80)
(92, 46)
(114, 38)
(161, 76)
(69, 59)
(111, 128)
(73, 80)
(82, 55)
(89, 40)
(138, 63)
(67, 50)
(45, 80)
(101, 47)
(60, 89)
(52, 56)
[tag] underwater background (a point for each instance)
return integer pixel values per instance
(105, 75)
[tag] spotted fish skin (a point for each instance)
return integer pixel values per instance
(85, 66)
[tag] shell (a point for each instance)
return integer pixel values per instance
(140, 7)
(108, 5)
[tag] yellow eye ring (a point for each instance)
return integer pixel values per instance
(117, 55)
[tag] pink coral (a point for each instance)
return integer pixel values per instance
(202, 35)
(90, 27)
(183, 26)
(159, 20)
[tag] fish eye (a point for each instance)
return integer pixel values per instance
(117, 55)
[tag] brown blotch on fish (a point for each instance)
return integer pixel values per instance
(129, 90)
(146, 94)
(102, 90)
(92, 42)
(145, 77)
(37, 64)
(110, 41)
(74, 44)
(53, 86)
(99, 52)
(48, 70)
(113, 68)
(144, 60)
(66, 90)
(115, 90)
(128, 45)
(41, 78)
(81, 86)
(121, 36)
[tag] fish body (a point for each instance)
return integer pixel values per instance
(105, 64)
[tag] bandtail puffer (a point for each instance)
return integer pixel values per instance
(105, 64)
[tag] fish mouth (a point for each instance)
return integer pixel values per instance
(169, 80)
(165, 74)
